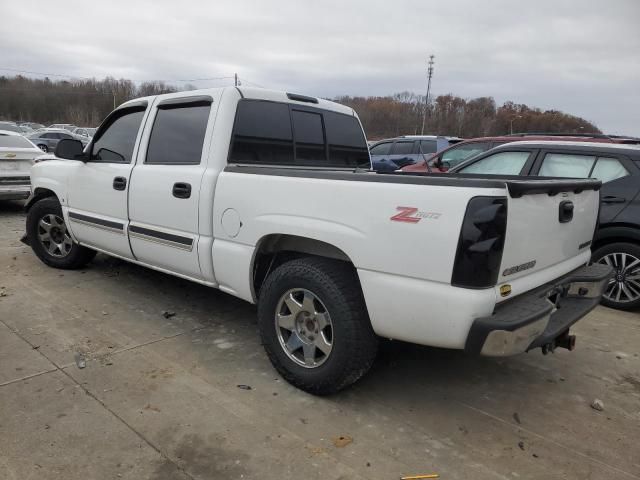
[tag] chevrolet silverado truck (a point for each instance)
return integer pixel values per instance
(270, 197)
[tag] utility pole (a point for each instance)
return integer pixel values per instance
(426, 99)
(236, 77)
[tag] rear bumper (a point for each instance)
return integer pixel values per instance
(14, 188)
(540, 318)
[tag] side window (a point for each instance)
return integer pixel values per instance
(428, 146)
(178, 133)
(309, 134)
(608, 169)
(50, 135)
(262, 133)
(402, 148)
(502, 163)
(115, 141)
(64, 135)
(381, 149)
(566, 165)
(459, 154)
(347, 144)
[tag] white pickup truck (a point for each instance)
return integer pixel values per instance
(263, 195)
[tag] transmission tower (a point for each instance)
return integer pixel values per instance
(430, 64)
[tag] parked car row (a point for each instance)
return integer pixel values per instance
(459, 152)
(394, 153)
(47, 139)
(614, 161)
(28, 128)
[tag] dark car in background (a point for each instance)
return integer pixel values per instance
(394, 153)
(47, 139)
(617, 239)
(462, 151)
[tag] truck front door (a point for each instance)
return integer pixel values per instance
(164, 199)
(98, 188)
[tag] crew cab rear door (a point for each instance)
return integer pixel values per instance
(164, 198)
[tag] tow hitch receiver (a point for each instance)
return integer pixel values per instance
(564, 340)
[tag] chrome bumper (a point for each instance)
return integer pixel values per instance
(540, 318)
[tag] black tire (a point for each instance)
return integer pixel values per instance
(614, 253)
(75, 257)
(354, 344)
(43, 147)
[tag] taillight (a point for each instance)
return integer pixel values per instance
(481, 243)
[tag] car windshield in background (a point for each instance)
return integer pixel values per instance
(464, 152)
(14, 141)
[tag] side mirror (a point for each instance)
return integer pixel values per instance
(445, 166)
(70, 149)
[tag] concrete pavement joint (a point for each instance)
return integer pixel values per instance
(27, 377)
(543, 438)
(88, 393)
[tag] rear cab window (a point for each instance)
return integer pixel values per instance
(275, 133)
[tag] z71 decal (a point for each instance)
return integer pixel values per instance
(413, 215)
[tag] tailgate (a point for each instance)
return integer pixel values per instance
(550, 223)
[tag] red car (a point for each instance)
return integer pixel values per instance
(451, 156)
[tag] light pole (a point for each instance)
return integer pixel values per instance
(511, 122)
(426, 99)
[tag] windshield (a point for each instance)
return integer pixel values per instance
(15, 141)
(463, 152)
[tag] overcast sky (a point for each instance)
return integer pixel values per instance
(582, 56)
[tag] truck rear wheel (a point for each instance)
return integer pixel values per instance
(314, 324)
(50, 240)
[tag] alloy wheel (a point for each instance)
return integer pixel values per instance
(53, 235)
(304, 328)
(624, 287)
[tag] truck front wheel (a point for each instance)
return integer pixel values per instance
(314, 324)
(50, 240)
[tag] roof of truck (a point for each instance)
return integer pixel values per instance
(257, 94)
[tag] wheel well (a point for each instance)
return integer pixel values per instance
(616, 235)
(38, 194)
(273, 250)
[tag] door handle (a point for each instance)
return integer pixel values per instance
(119, 183)
(565, 211)
(181, 190)
(613, 199)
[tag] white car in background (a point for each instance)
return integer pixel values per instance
(17, 155)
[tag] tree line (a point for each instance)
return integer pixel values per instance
(80, 102)
(87, 102)
(402, 114)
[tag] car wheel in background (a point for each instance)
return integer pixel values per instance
(49, 238)
(623, 291)
(43, 147)
(314, 324)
